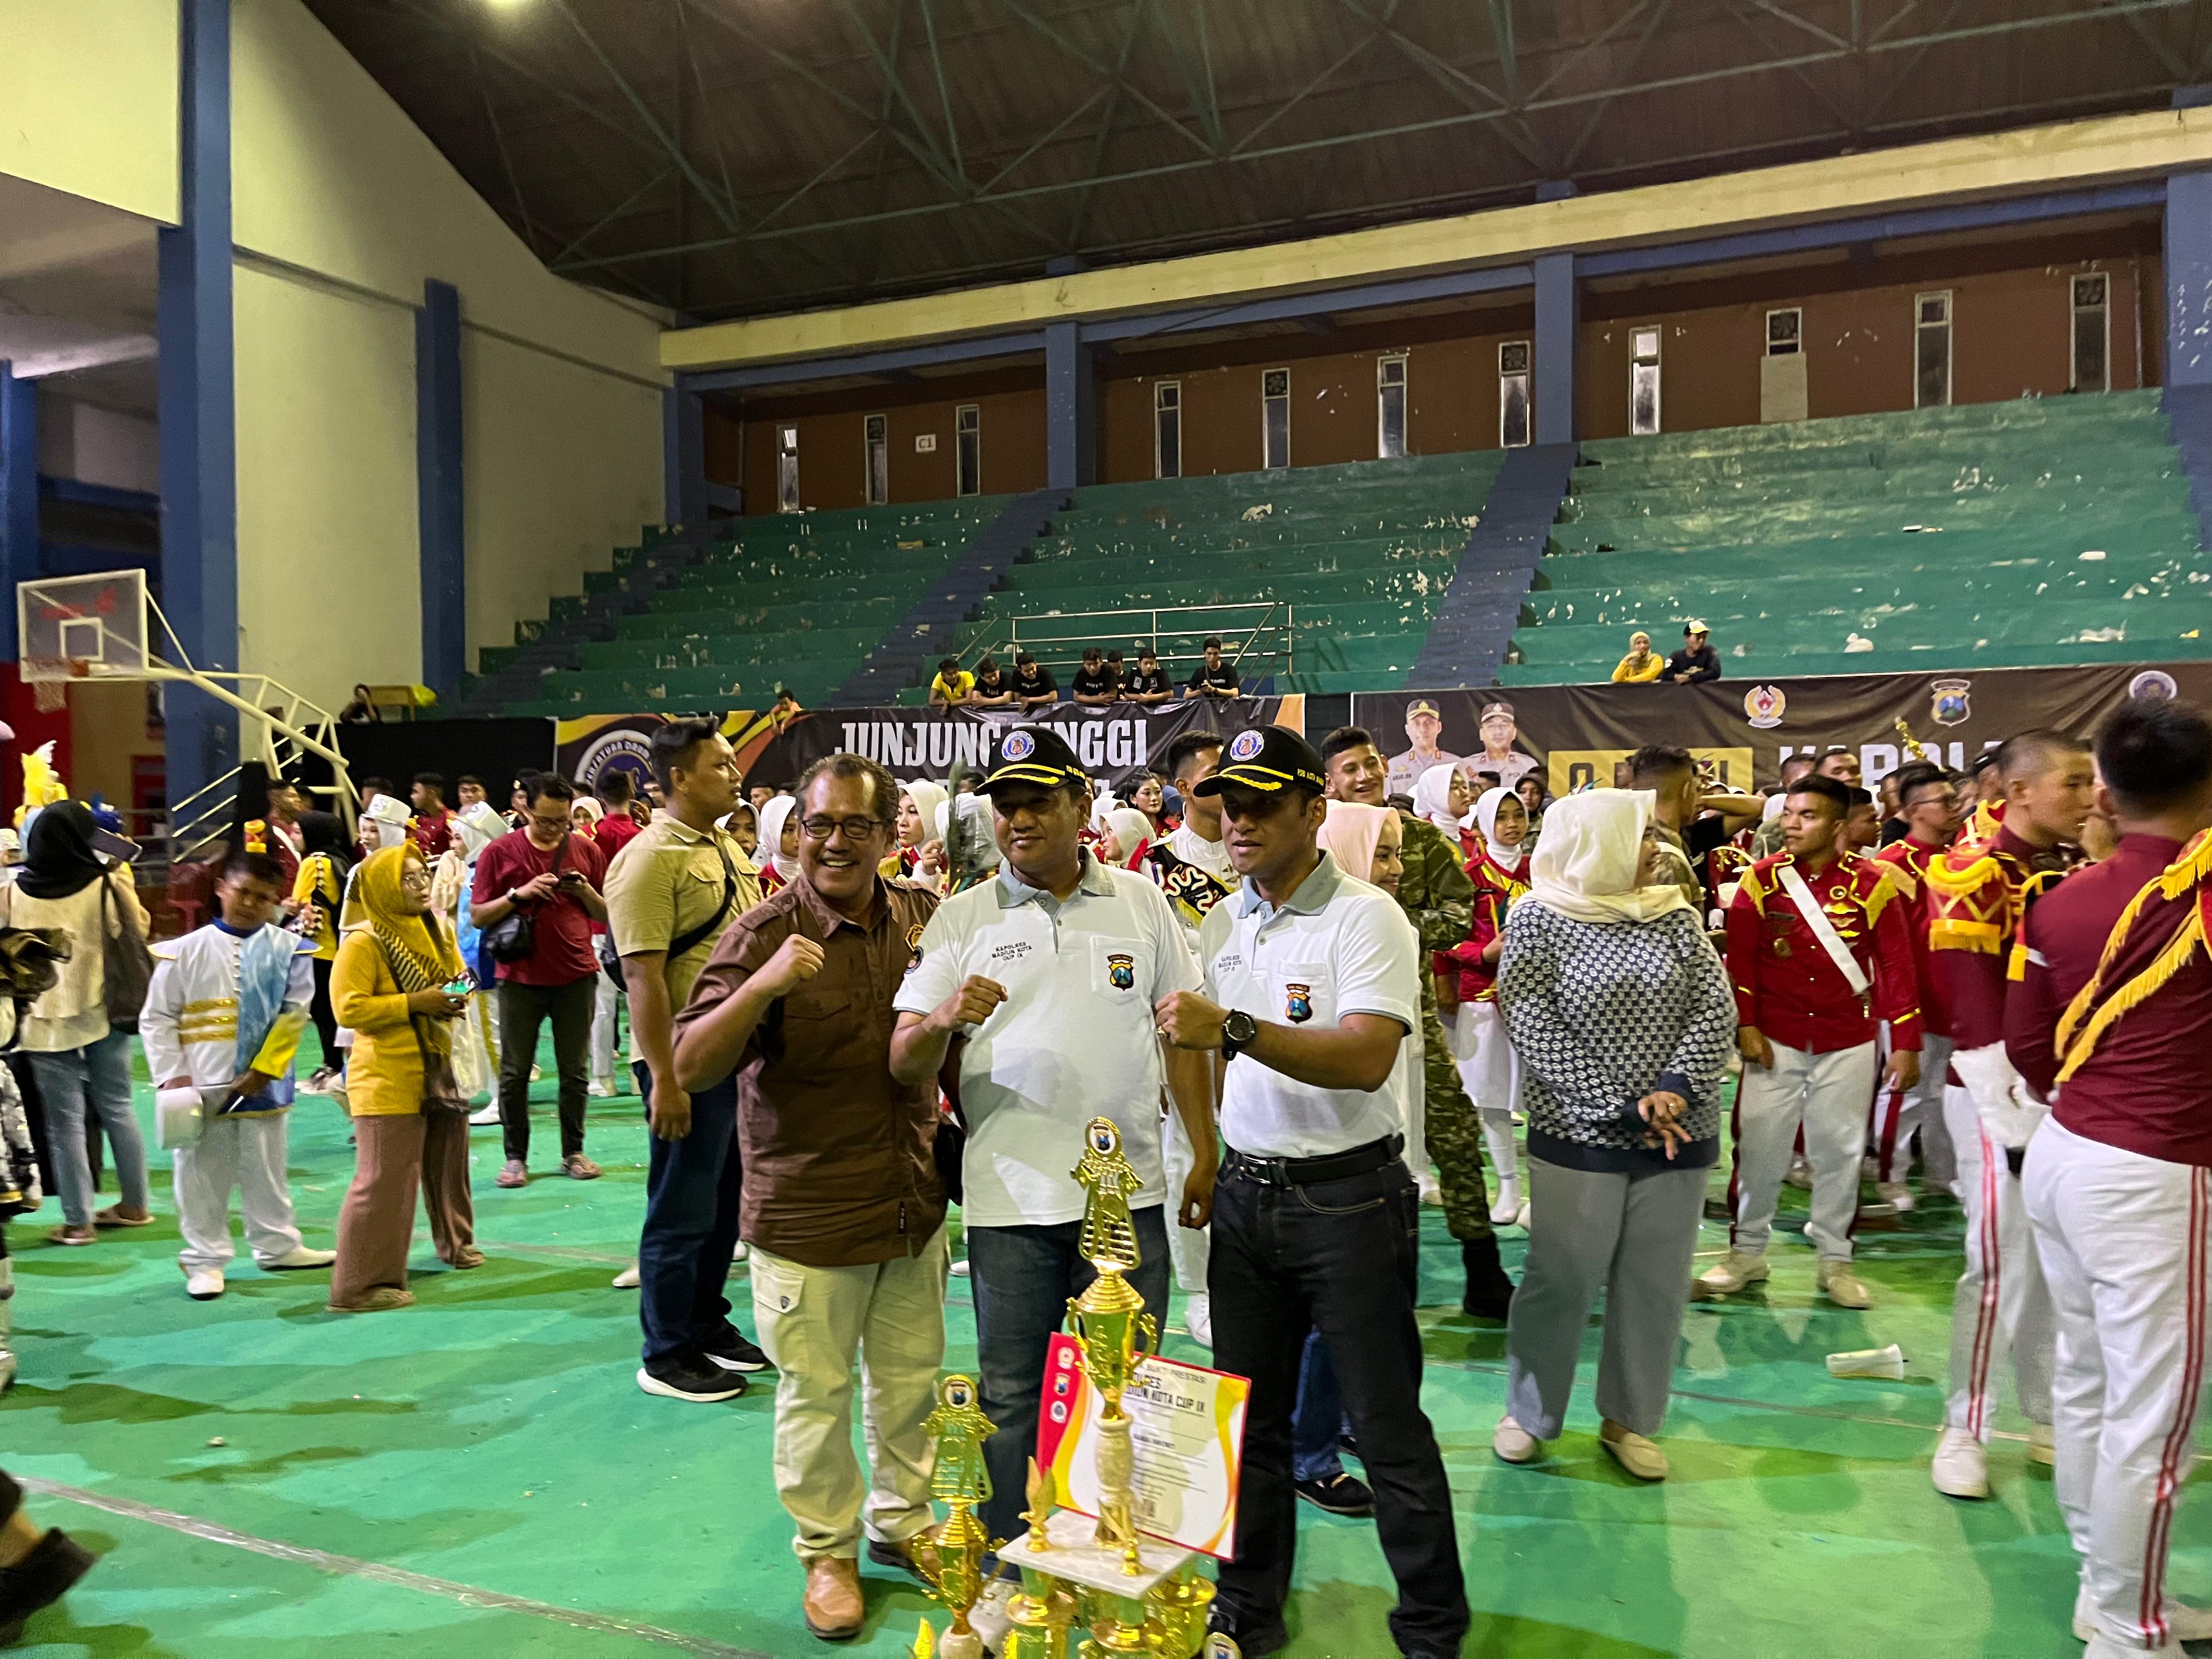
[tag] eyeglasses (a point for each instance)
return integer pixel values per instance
(414, 875)
(854, 828)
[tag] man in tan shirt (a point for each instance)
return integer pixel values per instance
(671, 893)
(843, 1206)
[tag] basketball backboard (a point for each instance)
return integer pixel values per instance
(76, 628)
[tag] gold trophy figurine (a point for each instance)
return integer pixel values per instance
(1110, 1321)
(961, 1479)
(1913, 746)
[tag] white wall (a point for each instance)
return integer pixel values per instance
(98, 445)
(89, 100)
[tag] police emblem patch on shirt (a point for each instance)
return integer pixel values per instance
(1121, 970)
(1297, 1003)
(914, 947)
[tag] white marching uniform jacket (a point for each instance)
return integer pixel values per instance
(189, 1025)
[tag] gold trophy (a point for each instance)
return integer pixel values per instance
(961, 1479)
(1110, 1321)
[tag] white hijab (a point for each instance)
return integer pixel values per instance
(1585, 862)
(1486, 819)
(1131, 829)
(771, 837)
(1432, 798)
(927, 797)
(388, 813)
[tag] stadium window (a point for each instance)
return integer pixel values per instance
(877, 440)
(968, 429)
(1275, 418)
(1931, 350)
(1642, 381)
(1390, 407)
(1785, 332)
(1167, 429)
(787, 469)
(2091, 369)
(1513, 395)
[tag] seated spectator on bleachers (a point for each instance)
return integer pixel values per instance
(1213, 677)
(951, 686)
(1094, 685)
(1034, 685)
(780, 711)
(1642, 664)
(1149, 685)
(992, 689)
(1118, 668)
(1697, 662)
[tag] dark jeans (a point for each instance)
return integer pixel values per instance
(691, 1189)
(1339, 1258)
(1021, 1278)
(522, 1010)
(1318, 1419)
(325, 1018)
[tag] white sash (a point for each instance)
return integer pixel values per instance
(1823, 929)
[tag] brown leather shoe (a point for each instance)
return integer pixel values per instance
(917, 1556)
(833, 1604)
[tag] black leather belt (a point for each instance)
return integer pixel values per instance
(1313, 1171)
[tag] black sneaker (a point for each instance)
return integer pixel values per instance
(39, 1580)
(1338, 1494)
(732, 1353)
(1489, 1291)
(1253, 1640)
(688, 1378)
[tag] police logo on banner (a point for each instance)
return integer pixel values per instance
(1297, 1003)
(1763, 705)
(1019, 746)
(1951, 703)
(1121, 970)
(2155, 684)
(1246, 744)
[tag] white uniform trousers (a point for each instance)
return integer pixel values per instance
(1828, 1094)
(246, 1153)
(2121, 1238)
(1899, 1113)
(1187, 1246)
(2002, 1305)
(606, 1027)
(816, 1323)
(1490, 1071)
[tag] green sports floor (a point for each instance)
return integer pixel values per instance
(478, 1475)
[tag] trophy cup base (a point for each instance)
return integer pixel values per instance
(1072, 1554)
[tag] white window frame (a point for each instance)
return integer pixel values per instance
(787, 467)
(2074, 310)
(1656, 365)
(1526, 375)
(1384, 387)
(1267, 465)
(1167, 398)
(1796, 348)
(1949, 325)
(875, 438)
(966, 436)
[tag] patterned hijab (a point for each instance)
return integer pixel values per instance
(421, 952)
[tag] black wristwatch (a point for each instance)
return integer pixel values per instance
(1239, 1031)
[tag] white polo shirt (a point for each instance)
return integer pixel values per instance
(1073, 1040)
(1337, 946)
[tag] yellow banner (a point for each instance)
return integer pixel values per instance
(1575, 768)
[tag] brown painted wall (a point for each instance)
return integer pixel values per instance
(832, 465)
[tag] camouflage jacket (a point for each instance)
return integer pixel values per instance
(1435, 892)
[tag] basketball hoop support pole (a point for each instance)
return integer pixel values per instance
(215, 690)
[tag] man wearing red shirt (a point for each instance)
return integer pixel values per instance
(617, 827)
(1927, 800)
(2112, 1023)
(556, 875)
(433, 823)
(1807, 1027)
(1980, 892)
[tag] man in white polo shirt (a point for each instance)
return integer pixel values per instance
(1312, 983)
(1045, 977)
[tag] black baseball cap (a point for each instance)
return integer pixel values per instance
(1035, 754)
(1265, 759)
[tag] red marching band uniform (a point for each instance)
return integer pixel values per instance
(1897, 1112)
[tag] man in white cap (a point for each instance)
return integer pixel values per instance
(1423, 725)
(1697, 662)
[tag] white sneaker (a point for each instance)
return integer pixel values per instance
(992, 1616)
(2102, 1646)
(1731, 1274)
(1800, 1175)
(601, 1088)
(1959, 1468)
(302, 1257)
(538, 1074)
(1513, 1444)
(627, 1279)
(1432, 1192)
(1198, 1319)
(1869, 1168)
(741, 1252)
(319, 1083)
(1896, 1194)
(1843, 1287)
(1527, 1217)
(203, 1283)
(1507, 1210)
(489, 1114)
(960, 1268)
(2182, 1624)
(2043, 1447)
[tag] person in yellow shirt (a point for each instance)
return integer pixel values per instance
(395, 962)
(1641, 665)
(318, 893)
(952, 684)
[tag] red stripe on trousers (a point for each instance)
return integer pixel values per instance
(2151, 1611)
(1985, 1315)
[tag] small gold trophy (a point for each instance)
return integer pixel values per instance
(962, 1480)
(1108, 1319)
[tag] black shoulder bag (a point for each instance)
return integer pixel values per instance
(515, 935)
(683, 944)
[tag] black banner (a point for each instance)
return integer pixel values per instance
(1570, 735)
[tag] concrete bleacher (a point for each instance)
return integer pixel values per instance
(2047, 532)
(1356, 558)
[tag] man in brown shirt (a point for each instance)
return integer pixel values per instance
(841, 1204)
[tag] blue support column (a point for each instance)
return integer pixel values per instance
(2189, 279)
(684, 450)
(198, 406)
(19, 495)
(1558, 321)
(438, 486)
(1071, 409)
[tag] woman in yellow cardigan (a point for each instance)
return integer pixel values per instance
(1642, 664)
(394, 961)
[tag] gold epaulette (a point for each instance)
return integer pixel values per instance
(2075, 1040)
(1960, 881)
(1885, 888)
